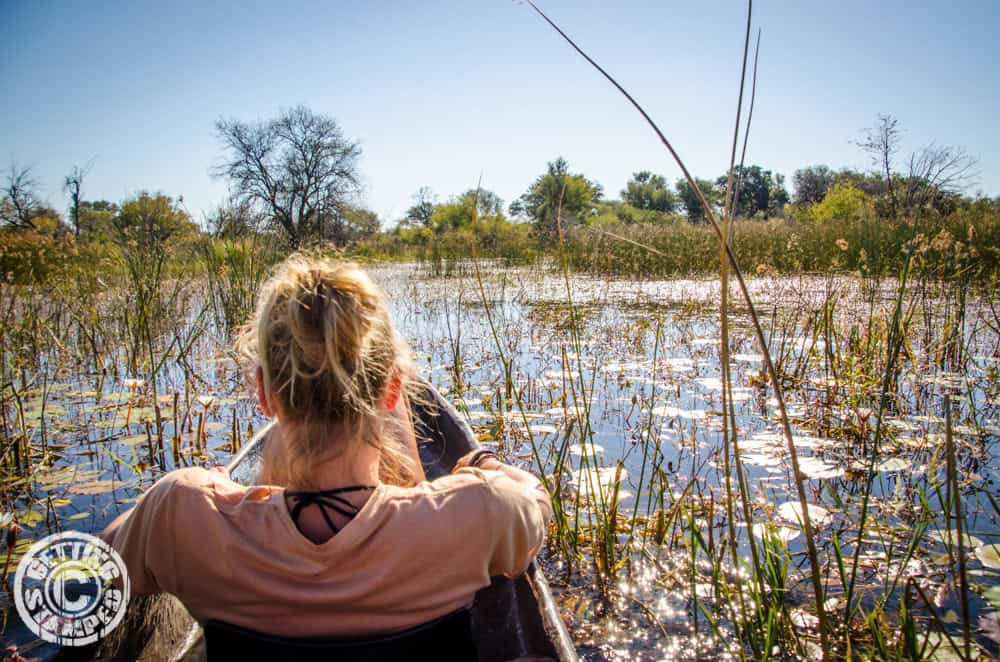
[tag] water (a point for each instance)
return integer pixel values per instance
(654, 409)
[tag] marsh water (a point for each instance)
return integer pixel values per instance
(613, 390)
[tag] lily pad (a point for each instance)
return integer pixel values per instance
(813, 467)
(760, 460)
(134, 440)
(893, 465)
(604, 476)
(792, 512)
(96, 487)
(30, 518)
(989, 556)
(54, 478)
(943, 536)
(674, 412)
(784, 533)
(992, 596)
(943, 649)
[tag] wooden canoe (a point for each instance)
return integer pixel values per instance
(511, 619)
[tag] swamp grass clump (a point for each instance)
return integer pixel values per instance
(235, 269)
(443, 250)
(868, 245)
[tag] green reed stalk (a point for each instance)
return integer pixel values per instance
(559, 513)
(893, 347)
(455, 343)
(956, 505)
(647, 437)
(605, 514)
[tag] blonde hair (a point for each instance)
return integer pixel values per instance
(324, 341)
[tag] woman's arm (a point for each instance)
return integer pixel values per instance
(491, 463)
(111, 529)
(518, 509)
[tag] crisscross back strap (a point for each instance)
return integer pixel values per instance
(327, 499)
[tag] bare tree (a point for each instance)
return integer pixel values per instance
(20, 202)
(298, 169)
(932, 175)
(937, 172)
(73, 184)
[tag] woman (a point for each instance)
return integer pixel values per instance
(345, 537)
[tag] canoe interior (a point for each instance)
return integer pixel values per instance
(511, 618)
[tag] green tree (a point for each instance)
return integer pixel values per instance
(420, 212)
(759, 191)
(147, 224)
(649, 192)
(843, 202)
(461, 211)
(299, 169)
(811, 183)
(870, 183)
(557, 195)
(689, 198)
(452, 215)
(97, 218)
(356, 224)
(778, 196)
(487, 202)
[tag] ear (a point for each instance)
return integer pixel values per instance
(265, 406)
(393, 391)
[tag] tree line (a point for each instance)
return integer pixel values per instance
(297, 176)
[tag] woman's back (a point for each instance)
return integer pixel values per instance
(409, 556)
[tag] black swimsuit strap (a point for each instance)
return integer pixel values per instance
(327, 499)
(336, 490)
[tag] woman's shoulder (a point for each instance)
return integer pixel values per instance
(465, 485)
(445, 489)
(187, 478)
(196, 483)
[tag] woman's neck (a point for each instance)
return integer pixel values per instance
(356, 463)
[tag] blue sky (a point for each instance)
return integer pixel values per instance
(441, 92)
